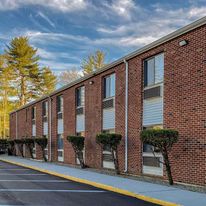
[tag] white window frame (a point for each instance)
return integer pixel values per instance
(60, 158)
(158, 171)
(110, 96)
(155, 83)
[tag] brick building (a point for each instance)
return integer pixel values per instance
(160, 85)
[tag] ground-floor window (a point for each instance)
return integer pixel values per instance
(34, 151)
(60, 147)
(107, 154)
(152, 158)
(82, 133)
(46, 149)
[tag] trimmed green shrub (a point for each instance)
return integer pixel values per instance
(163, 139)
(29, 143)
(11, 147)
(42, 142)
(3, 145)
(78, 146)
(112, 141)
(20, 144)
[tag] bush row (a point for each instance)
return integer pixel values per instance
(163, 139)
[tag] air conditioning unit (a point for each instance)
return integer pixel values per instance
(60, 115)
(152, 92)
(79, 110)
(108, 103)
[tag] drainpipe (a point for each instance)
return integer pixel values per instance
(126, 116)
(50, 129)
(16, 125)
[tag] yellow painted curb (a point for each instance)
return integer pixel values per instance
(98, 185)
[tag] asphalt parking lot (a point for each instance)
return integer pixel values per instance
(21, 186)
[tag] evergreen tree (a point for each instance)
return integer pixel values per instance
(6, 91)
(93, 62)
(47, 81)
(23, 60)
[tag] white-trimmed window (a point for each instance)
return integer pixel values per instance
(152, 158)
(45, 109)
(109, 86)
(60, 105)
(80, 96)
(154, 70)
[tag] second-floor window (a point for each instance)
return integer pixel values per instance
(33, 113)
(109, 86)
(154, 70)
(60, 104)
(45, 109)
(80, 96)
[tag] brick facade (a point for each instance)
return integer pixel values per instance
(184, 110)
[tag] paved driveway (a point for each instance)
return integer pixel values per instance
(21, 186)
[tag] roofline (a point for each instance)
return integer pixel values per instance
(173, 35)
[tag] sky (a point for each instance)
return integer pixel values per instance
(67, 31)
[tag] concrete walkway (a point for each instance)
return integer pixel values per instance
(161, 192)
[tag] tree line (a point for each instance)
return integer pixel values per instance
(22, 79)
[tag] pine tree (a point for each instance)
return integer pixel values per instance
(23, 60)
(47, 81)
(93, 62)
(6, 91)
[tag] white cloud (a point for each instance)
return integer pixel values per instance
(58, 66)
(60, 5)
(46, 18)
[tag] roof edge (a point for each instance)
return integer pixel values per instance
(198, 23)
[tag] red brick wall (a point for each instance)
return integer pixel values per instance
(184, 110)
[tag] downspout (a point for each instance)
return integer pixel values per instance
(16, 125)
(126, 116)
(50, 129)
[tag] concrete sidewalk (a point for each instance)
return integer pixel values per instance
(143, 190)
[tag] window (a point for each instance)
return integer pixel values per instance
(80, 96)
(60, 141)
(154, 70)
(33, 113)
(152, 157)
(45, 109)
(80, 134)
(60, 104)
(109, 86)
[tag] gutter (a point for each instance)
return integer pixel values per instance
(126, 116)
(173, 35)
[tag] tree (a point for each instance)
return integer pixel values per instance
(68, 76)
(163, 139)
(30, 81)
(42, 142)
(93, 62)
(78, 146)
(11, 147)
(20, 144)
(6, 91)
(112, 141)
(29, 143)
(47, 81)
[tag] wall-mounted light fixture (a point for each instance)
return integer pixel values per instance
(91, 82)
(183, 43)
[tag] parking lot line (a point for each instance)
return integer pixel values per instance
(35, 181)
(1, 169)
(21, 174)
(45, 190)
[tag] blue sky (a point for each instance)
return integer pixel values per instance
(66, 31)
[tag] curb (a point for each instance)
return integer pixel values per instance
(98, 185)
